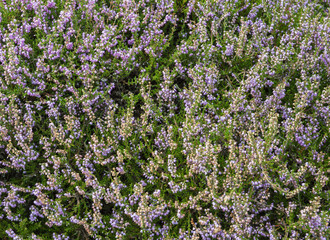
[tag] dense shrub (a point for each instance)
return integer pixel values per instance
(160, 119)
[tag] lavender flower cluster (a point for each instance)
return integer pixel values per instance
(164, 119)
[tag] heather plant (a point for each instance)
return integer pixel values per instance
(161, 119)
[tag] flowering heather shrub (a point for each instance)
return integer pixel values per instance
(161, 119)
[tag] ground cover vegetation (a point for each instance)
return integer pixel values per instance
(160, 119)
